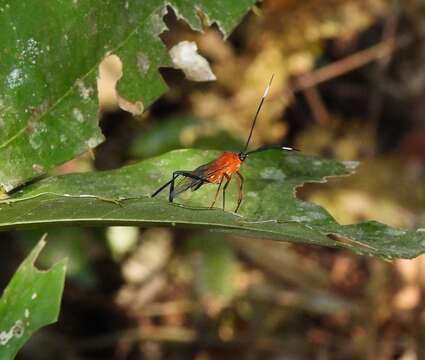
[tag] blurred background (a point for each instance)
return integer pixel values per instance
(349, 84)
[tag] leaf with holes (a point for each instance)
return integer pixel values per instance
(30, 301)
(50, 52)
(269, 208)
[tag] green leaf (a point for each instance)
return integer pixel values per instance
(30, 301)
(269, 209)
(50, 55)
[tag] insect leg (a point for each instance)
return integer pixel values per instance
(170, 194)
(228, 178)
(216, 193)
(162, 187)
(240, 180)
(172, 181)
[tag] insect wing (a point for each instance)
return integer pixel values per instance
(185, 184)
(208, 170)
(201, 175)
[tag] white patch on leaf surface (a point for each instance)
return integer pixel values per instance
(15, 78)
(252, 194)
(143, 63)
(31, 51)
(271, 173)
(302, 218)
(85, 92)
(38, 168)
(17, 330)
(316, 215)
(36, 136)
(394, 232)
(163, 162)
(186, 58)
(78, 115)
(93, 142)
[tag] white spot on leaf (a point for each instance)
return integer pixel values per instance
(143, 63)
(31, 51)
(163, 162)
(272, 174)
(185, 57)
(293, 160)
(85, 92)
(316, 215)
(36, 135)
(38, 168)
(34, 296)
(16, 330)
(15, 78)
(394, 232)
(302, 218)
(78, 115)
(93, 142)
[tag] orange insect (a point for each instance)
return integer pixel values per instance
(219, 170)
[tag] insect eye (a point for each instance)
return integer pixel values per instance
(242, 156)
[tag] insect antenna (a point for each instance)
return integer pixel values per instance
(257, 112)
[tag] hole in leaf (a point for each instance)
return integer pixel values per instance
(110, 72)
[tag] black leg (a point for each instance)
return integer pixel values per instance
(162, 188)
(228, 178)
(216, 193)
(170, 194)
(240, 180)
(176, 174)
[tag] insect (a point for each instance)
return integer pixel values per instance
(220, 170)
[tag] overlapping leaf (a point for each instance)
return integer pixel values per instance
(30, 301)
(50, 52)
